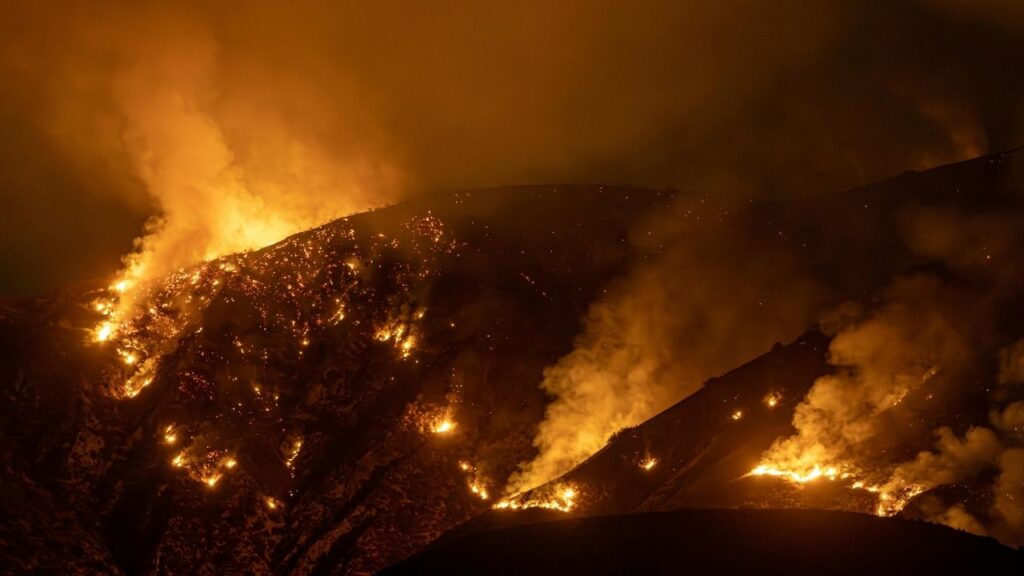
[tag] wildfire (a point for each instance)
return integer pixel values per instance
(170, 436)
(296, 448)
(444, 426)
(134, 385)
(400, 333)
(390, 332)
(890, 503)
(297, 289)
(407, 346)
(830, 473)
(208, 468)
(561, 497)
(339, 315)
(476, 485)
(103, 332)
(478, 490)
(890, 500)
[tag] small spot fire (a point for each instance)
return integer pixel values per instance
(561, 497)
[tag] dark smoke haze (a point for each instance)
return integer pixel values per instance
(215, 114)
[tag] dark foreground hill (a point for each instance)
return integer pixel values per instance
(763, 542)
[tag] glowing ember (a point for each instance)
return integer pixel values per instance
(478, 490)
(170, 437)
(772, 399)
(134, 385)
(443, 427)
(211, 481)
(890, 503)
(340, 314)
(103, 332)
(648, 463)
(476, 485)
(407, 346)
(737, 415)
(296, 448)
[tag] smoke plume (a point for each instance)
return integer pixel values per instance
(952, 461)
(690, 312)
(909, 343)
(226, 171)
(236, 123)
(1009, 494)
(928, 344)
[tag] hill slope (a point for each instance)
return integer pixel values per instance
(337, 401)
(775, 542)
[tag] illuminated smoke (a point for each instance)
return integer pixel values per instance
(903, 363)
(953, 460)
(957, 516)
(690, 313)
(882, 358)
(1008, 494)
(313, 109)
(1010, 419)
(1011, 364)
(227, 173)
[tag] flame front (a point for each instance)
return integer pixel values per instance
(561, 497)
(891, 496)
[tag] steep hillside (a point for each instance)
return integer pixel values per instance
(335, 402)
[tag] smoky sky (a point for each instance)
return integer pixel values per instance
(323, 108)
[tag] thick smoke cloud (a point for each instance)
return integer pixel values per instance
(1009, 493)
(227, 166)
(239, 122)
(909, 343)
(953, 460)
(1011, 364)
(918, 361)
(926, 391)
(689, 312)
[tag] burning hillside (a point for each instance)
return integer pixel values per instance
(907, 407)
(312, 288)
(335, 402)
(332, 402)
